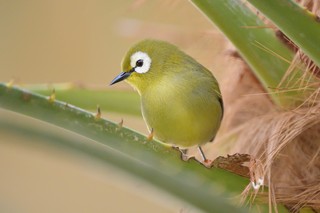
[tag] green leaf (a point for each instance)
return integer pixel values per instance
(131, 151)
(302, 27)
(267, 56)
(126, 102)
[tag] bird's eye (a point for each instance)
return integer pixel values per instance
(139, 63)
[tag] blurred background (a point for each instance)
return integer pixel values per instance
(59, 41)
(83, 41)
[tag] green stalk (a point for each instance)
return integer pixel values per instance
(297, 23)
(131, 151)
(266, 55)
(125, 102)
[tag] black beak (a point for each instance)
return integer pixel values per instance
(121, 77)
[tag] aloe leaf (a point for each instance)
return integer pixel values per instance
(125, 102)
(297, 23)
(131, 151)
(267, 56)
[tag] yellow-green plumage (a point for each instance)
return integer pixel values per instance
(180, 99)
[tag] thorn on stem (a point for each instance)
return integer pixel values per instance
(120, 124)
(52, 97)
(10, 84)
(150, 136)
(98, 114)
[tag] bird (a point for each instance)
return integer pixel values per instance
(181, 102)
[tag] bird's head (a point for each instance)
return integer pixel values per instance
(147, 62)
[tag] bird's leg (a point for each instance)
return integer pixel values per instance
(202, 155)
(184, 155)
(183, 151)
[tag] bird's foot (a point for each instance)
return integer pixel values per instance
(205, 161)
(184, 155)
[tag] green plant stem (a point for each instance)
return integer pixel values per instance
(126, 149)
(125, 102)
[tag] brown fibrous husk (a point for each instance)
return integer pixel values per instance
(285, 142)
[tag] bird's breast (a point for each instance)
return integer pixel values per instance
(181, 115)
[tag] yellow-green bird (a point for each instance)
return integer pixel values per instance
(180, 99)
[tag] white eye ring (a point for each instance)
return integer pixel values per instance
(145, 59)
